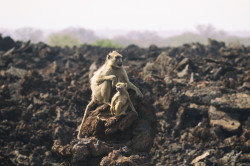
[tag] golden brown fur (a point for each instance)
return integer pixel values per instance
(121, 100)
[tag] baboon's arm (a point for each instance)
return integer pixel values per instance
(130, 102)
(137, 90)
(131, 85)
(103, 78)
(112, 106)
(131, 105)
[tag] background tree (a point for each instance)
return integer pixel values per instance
(27, 33)
(81, 34)
(62, 40)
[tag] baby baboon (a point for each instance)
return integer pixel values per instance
(121, 100)
(104, 81)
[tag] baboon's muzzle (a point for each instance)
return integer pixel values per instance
(119, 64)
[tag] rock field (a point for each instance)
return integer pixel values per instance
(195, 109)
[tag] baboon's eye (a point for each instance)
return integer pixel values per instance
(118, 58)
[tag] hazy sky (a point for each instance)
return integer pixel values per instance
(125, 14)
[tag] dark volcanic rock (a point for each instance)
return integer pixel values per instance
(81, 151)
(122, 157)
(195, 109)
(228, 122)
(238, 101)
(6, 43)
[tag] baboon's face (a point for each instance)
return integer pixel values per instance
(114, 59)
(121, 85)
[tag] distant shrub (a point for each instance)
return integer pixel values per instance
(63, 40)
(185, 38)
(107, 43)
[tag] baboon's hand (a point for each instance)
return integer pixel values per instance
(138, 93)
(113, 79)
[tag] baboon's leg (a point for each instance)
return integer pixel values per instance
(86, 113)
(112, 109)
(105, 92)
(118, 108)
